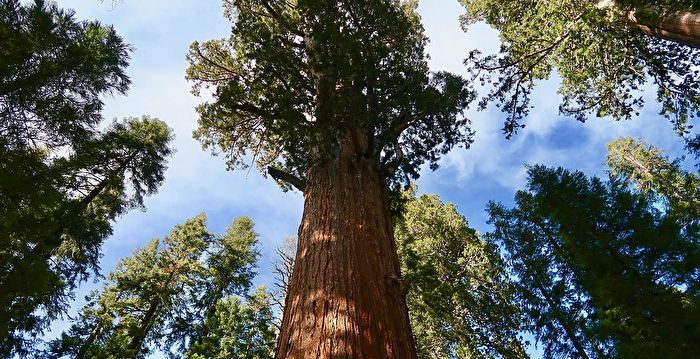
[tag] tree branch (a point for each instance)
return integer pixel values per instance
(286, 177)
(392, 134)
(281, 19)
(389, 168)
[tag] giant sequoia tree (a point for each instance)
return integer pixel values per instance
(333, 98)
(605, 51)
(62, 180)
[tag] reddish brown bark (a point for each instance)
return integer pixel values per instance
(345, 298)
(681, 26)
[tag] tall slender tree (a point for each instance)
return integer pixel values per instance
(460, 300)
(138, 298)
(604, 51)
(63, 180)
(187, 295)
(217, 291)
(602, 271)
(333, 98)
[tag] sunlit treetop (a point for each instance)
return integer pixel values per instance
(128, 160)
(53, 71)
(600, 51)
(298, 81)
(647, 169)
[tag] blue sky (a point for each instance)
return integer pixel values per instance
(493, 168)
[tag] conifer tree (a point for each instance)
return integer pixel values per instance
(238, 330)
(604, 51)
(460, 300)
(62, 180)
(139, 297)
(214, 295)
(52, 245)
(648, 170)
(186, 295)
(601, 271)
(334, 99)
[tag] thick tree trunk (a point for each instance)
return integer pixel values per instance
(345, 298)
(681, 26)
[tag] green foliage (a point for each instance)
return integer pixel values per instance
(601, 271)
(229, 270)
(646, 168)
(138, 297)
(58, 212)
(603, 62)
(53, 72)
(238, 330)
(300, 81)
(459, 296)
(62, 180)
(182, 294)
(693, 147)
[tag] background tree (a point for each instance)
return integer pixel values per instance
(601, 271)
(460, 299)
(52, 242)
(647, 169)
(282, 271)
(335, 99)
(63, 180)
(184, 295)
(238, 330)
(139, 297)
(604, 52)
(53, 72)
(214, 306)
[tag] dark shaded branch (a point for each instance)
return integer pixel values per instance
(281, 19)
(389, 168)
(251, 109)
(289, 178)
(110, 177)
(392, 134)
(561, 318)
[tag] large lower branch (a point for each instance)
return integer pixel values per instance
(393, 133)
(286, 177)
(681, 26)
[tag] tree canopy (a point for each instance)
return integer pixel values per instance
(63, 178)
(601, 271)
(54, 70)
(646, 168)
(460, 299)
(296, 78)
(603, 59)
(187, 294)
